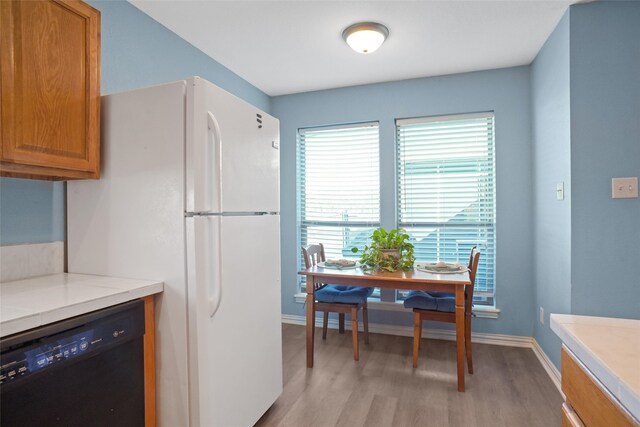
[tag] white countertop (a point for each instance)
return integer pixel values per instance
(28, 303)
(610, 349)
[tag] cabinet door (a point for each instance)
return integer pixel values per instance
(592, 402)
(50, 88)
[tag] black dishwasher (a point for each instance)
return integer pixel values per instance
(84, 371)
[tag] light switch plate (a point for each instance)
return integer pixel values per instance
(624, 188)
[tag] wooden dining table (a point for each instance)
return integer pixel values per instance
(409, 280)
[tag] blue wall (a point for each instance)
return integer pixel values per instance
(586, 101)
(605, 143)
(136, 52)
(504, 91)
(551, 123)
(31, 211)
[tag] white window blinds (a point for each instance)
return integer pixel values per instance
(446, 191)
(338, 187)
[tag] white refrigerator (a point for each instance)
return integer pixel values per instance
(189, 195)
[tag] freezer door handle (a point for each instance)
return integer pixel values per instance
(215, 157)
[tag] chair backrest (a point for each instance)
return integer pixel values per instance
(313, 254)
(474, 259)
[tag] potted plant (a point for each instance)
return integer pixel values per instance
(389, 251)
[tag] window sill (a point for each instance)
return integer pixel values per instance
(481, 312)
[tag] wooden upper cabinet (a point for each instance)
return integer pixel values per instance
(50, 94)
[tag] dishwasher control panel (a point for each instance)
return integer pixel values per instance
(43, 353)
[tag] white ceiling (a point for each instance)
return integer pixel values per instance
(285, 47)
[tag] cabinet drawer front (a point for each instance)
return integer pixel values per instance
(588, 397)
(50, 84)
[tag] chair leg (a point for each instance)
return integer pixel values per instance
(325, 323)
(467, 342)
(417, 334)
(365, 322)
(354, 330)
(341, 323)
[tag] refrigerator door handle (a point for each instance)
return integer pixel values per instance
(216, 164)
(214, 270)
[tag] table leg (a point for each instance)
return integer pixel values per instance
(460, 335)
(311, 319)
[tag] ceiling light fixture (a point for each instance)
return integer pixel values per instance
(365, 37)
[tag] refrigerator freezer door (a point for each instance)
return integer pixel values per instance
(235, 356)
(233, 153)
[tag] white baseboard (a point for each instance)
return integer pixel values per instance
(445, 334)
(548, 365)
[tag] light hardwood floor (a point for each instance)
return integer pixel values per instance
(509, 388)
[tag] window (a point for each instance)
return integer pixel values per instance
(338, 187)
(446, 191)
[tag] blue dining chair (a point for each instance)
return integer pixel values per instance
(338, 299)
(441, 307)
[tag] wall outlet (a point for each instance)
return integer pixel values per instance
(560, 191)
(542, 315)
(624, 188)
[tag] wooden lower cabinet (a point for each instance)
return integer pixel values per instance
(50, 89)
(149, 363)
(588, 403)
